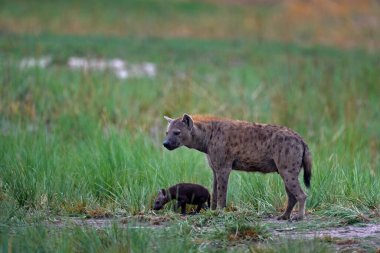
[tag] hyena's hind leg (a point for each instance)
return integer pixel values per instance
(176, 206)
(289, 170)
(202, 205)
(292, 185)
(288, 160)
(291, 203)
(199, 207)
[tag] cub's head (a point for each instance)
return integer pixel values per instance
(161, 200)
(178, 132)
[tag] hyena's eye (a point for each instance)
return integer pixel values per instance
(176, 132)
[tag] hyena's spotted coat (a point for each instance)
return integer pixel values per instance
(239, 145)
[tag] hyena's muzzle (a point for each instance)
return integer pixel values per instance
(170, 144)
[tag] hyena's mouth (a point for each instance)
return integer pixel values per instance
(169, 145)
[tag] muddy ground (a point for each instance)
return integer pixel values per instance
(358, 237)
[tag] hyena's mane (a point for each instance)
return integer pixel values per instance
(207, 118)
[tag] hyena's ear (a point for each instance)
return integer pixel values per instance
(163, 191)
(188, 121)
(168, 119)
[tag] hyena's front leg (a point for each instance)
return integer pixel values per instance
(214, 198)
(176, 206)
(183, 208)
(222, 180)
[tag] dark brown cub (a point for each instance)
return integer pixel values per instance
(184, 193)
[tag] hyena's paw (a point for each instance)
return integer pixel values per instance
(283, 217)
(297, 218)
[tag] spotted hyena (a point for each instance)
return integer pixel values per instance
(240, 145)
(184, 193)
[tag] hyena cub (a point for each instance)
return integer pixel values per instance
(184, 193)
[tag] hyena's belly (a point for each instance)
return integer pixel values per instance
(265, 165)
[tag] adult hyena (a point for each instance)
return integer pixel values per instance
(240, 145)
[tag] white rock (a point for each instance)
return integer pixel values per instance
(122, 74)
(121, 69)
(30, 62)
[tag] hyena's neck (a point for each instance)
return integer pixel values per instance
(201, 135)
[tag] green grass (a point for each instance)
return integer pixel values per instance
(72, 137)
(86, 144)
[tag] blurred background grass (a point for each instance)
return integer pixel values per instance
(346, 23)
(76, 141)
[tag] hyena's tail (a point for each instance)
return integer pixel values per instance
(208, 201)
(307, 165)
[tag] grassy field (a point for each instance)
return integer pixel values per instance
(87, 144)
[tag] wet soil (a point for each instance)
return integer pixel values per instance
(300, 230)
(357, 237)
(278, 228)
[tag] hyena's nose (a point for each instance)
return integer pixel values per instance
(166, 144)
